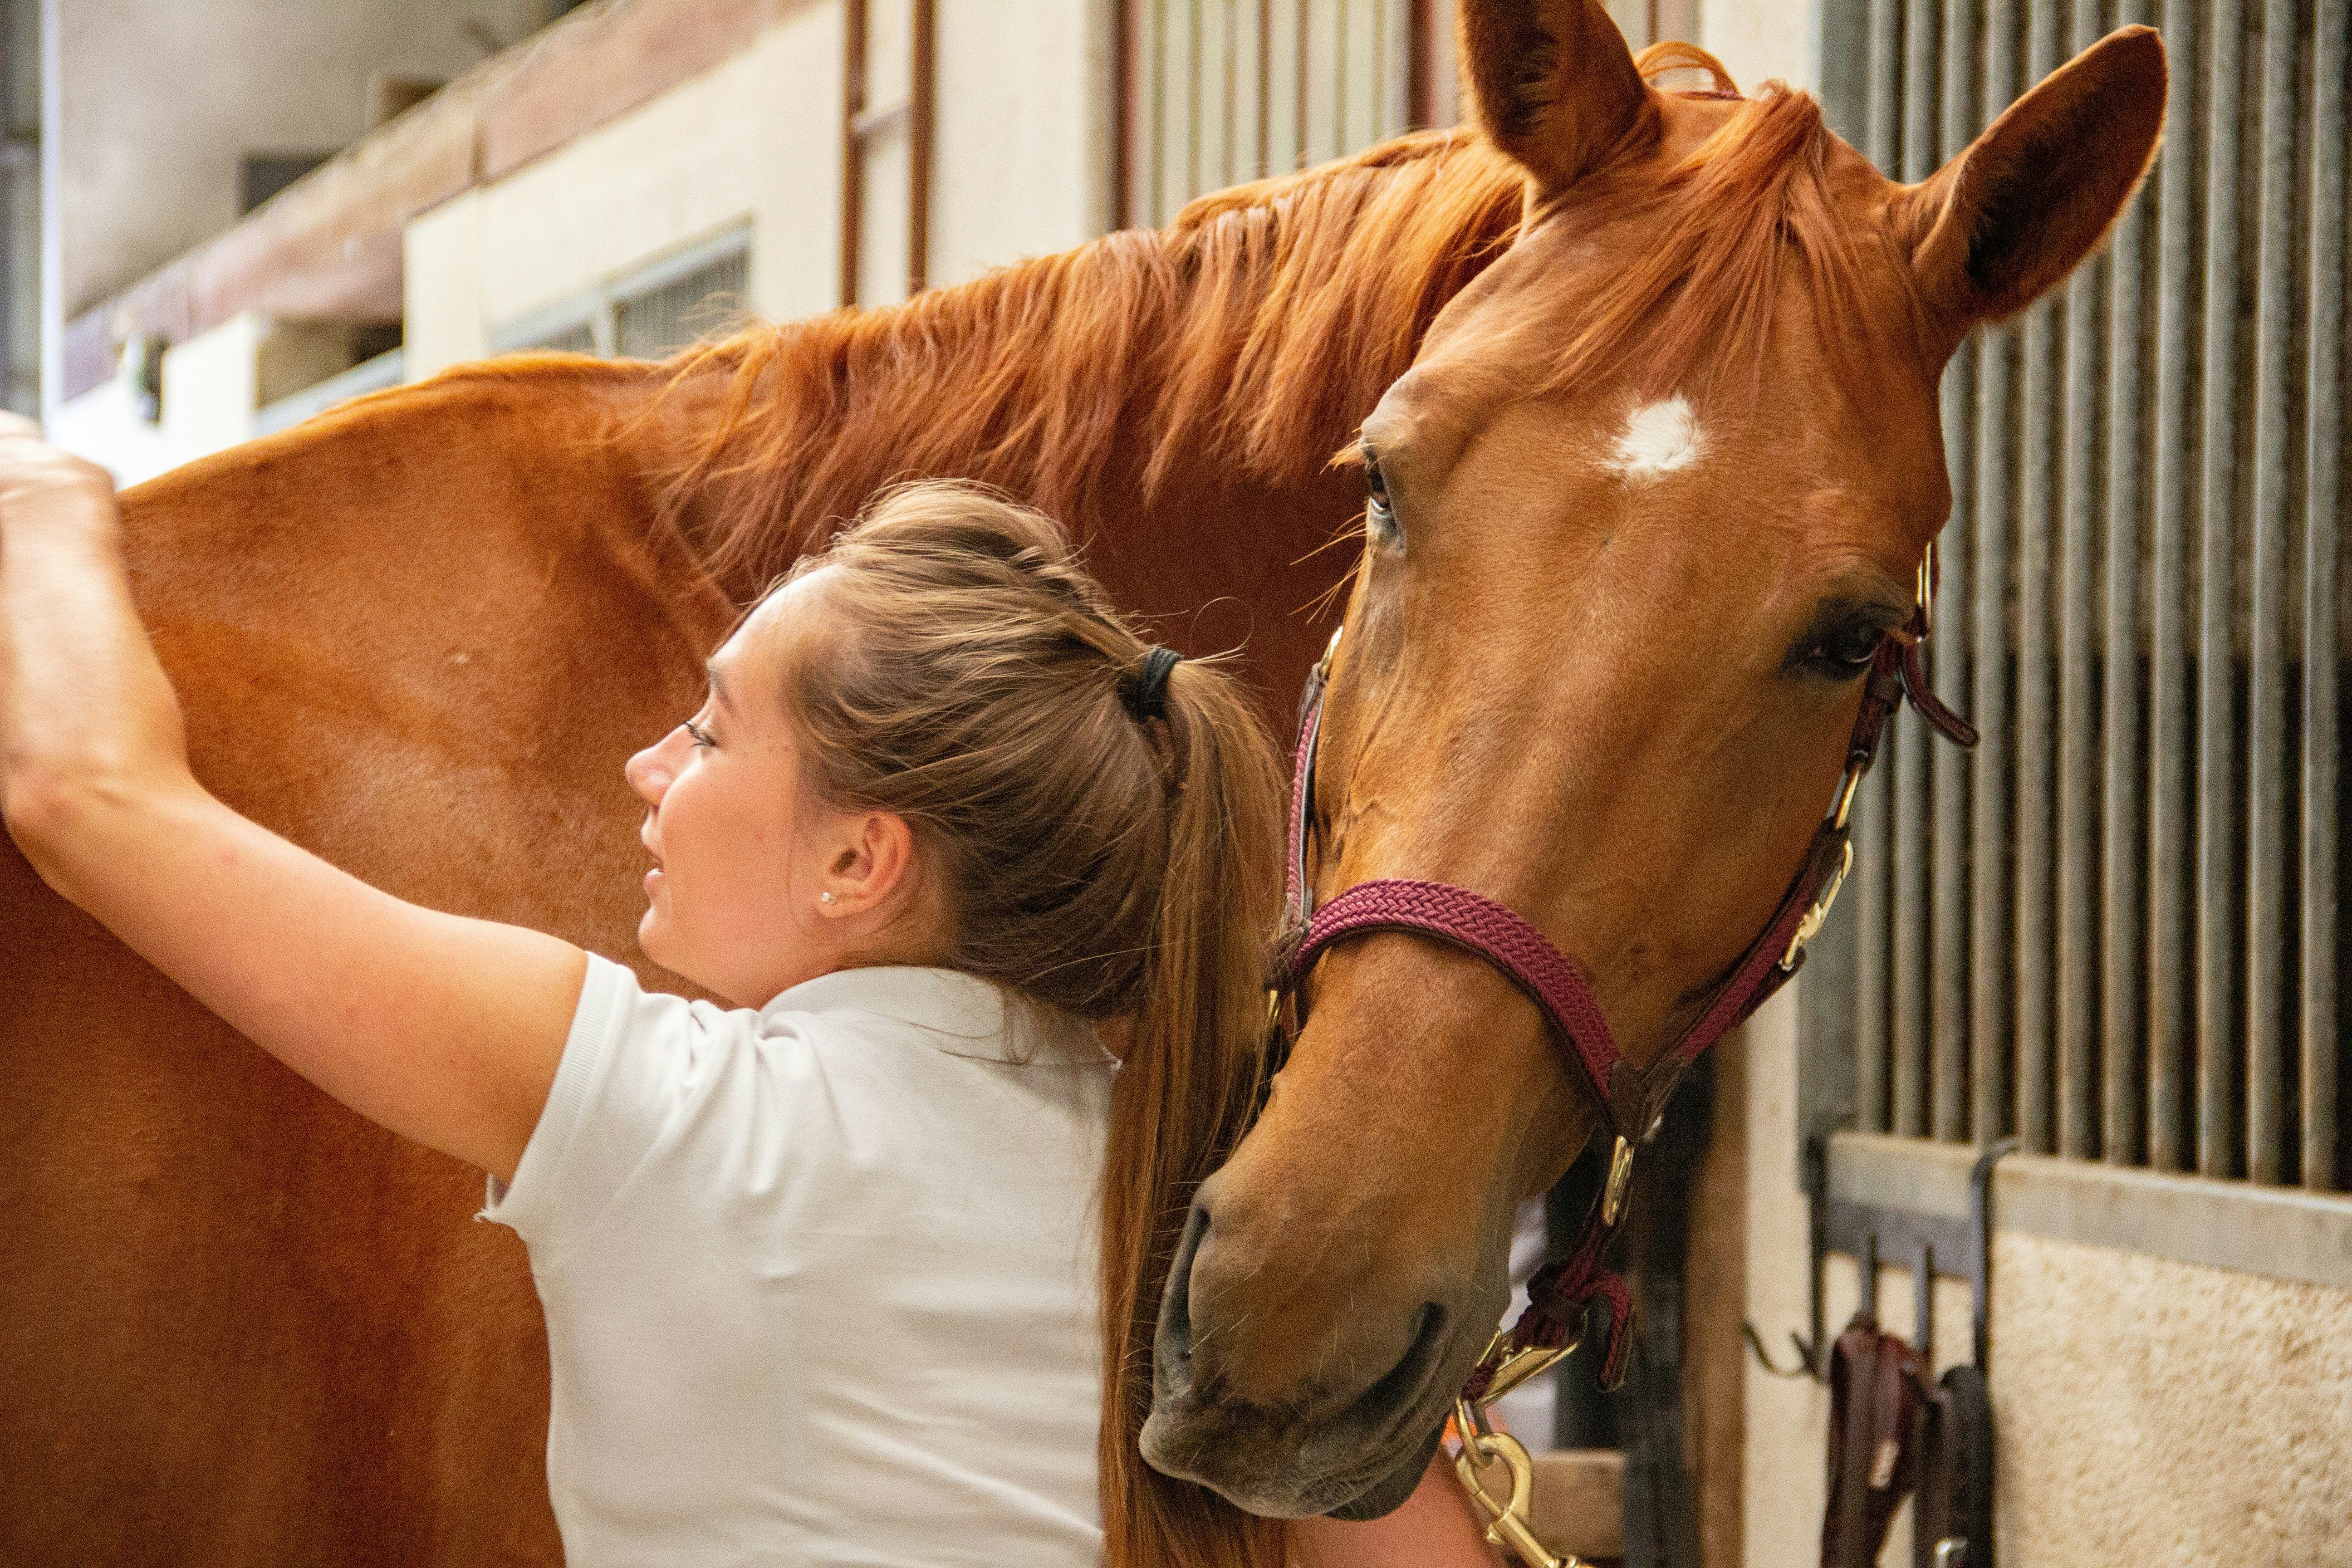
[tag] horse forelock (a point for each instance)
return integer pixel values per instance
(1754, 207)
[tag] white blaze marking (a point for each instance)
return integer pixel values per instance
(1659, 438)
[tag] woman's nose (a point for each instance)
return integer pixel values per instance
(649, 771)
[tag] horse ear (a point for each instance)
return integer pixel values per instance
(1552, 82)
(2003, 222)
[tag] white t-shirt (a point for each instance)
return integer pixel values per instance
(821, 1280)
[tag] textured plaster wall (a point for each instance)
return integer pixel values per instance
(2146, 1411)
(2156, 1412)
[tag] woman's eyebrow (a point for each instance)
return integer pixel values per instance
(719, 684)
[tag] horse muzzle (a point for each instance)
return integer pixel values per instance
(1293, 1393)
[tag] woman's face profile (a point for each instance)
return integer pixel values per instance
(733, 895)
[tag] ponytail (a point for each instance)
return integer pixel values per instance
(1183, 1101)
(1104, 825)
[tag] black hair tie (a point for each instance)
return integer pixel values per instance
(1146, 690)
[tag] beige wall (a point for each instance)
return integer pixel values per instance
(148, 104)
(1020, 168)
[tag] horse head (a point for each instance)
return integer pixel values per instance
(1656, 488)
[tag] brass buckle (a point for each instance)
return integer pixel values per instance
(1926, 590)
(1817, 914)
(1620, 1174)
(1509, 1368)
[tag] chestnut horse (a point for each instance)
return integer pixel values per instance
(420, 634)
(1654, 490)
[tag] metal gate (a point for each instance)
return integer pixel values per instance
(2112, 929)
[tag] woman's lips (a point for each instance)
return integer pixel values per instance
(653, 879)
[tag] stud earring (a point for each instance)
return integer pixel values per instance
(827, 898)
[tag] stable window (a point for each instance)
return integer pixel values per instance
(649, 313)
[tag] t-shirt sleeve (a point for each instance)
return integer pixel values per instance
(629, 1068)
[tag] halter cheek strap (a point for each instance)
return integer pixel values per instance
(1630, 1099)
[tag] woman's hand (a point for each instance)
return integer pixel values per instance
(447, 1030)
(85, 709)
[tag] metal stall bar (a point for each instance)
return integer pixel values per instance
(2266, 803)
(2168, 1027)
(1885, 83)
(1949, 1026)
(852, 145)
(2038, 504)
(2077, 898)
(2217, 824)
(2121, 843)
(1918, 95)
(1873, 958)
(2320, 1018)
(1990, 1109)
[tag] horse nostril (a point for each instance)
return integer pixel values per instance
(1173, 1347)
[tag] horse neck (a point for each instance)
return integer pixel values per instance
(1135, 379)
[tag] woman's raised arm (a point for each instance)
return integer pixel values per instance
(444, 1029)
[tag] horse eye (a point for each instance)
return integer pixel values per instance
(1378, 511)
(1850, 650)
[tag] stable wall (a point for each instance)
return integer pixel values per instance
(1020, 167)
(2146, 1410)
(148, 104)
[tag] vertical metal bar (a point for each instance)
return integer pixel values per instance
(2078, 897)
(1265, 165)
(1915, 108)
(2121, 1042)
(1339, 66)
(1122, 114)
(921, 116)
(2037, 508)
(1921, 104)
(1990, 976)
(2320, 1017)
(1193, 74)
(1299, 65)
(852, 145)
(1421, 64)
(2168, 1026)
(2275, 311)
(1229, 93)
(2217, 813)
(1870, 970)
(1949, 1025)
(1886, 84)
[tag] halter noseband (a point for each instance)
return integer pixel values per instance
(1630, 1098)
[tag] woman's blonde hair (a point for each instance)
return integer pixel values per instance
(980, 685)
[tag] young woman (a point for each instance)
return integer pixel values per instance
(832, 1272)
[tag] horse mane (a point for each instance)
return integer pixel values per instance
(1258, 327)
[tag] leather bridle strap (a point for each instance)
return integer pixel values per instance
(1630, 1098)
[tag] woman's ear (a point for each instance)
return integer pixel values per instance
(2000, 225)
(869, 857)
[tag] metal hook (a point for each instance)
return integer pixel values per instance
(1805, 1356)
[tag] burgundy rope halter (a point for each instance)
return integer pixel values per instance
(1630, 1098)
